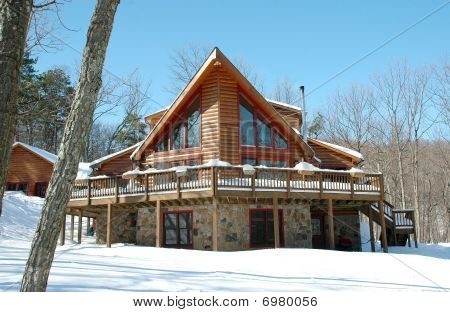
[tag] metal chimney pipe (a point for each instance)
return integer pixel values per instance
(303, 130)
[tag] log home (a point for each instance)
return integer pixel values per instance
(224, 168)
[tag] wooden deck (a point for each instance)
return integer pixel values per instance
(325, 186)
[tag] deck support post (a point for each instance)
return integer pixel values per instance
(394, 226)
(108, 226)
(331, 224)
(214, 225)
(80, 225)
(72, 226)
(62, 238)
(94, 224)
(158, 223)
(372, 237)
(414, 228)
(383, 226)
(276, 224)
(88, 225)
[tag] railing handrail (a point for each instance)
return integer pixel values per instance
(216, 177)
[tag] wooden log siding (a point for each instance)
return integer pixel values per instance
(27, 167)
(293, 118)
(331, 159)
(117, 165)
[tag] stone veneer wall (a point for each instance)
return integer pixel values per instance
(297, 226)
(123, 227)
(233, 225)
(345, 227)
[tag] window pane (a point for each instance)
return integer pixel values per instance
(162, 165)
(185, 237)
(247, 127)
(265, 162)
(170, 221)
(170, 236)
(163, 145)
(280, 163)
(249, 161)
(185, 220)
(280, 142)
(178, 137)
(258, 227)
(192, 162)
(264, 138)
(193, 129)
(11, 187)
(22, 187)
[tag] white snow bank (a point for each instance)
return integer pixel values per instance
(20, 216)
(216, 163)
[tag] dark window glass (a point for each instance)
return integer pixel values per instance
(163, 145)
(178, 229)
(280, 142)
(22, 187)
(178, 137)
(193, 128)
(262, 229)
(247, 126)
(162, 165)
(264, 135)
(11, 187)
(41, 188)
(280, 163)
(249, 161)
(265, 162)
(192, 162)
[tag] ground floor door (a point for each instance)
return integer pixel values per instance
(318, 231)
(262, 228)
(177, 229)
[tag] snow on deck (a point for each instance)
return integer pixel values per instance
(91, 267)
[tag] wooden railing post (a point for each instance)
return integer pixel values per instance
(116, 191)
(89, 192)
(214, 181)
(352, 187)
(288, 183)
(321, 184)
(178, 187)
(146, 187)
(394, 225)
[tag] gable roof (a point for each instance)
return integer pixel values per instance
(103, 159)
(355, 155)
(216, 57)
(51, 158)
(84, 169)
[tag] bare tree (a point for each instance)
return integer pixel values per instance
(349, 117)
(77, 128)
(14, 19)
(285, 92)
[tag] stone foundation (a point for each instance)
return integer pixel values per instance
(346, 232)
(297, 226)
(123, 227)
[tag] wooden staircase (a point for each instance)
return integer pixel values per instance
(400, 223)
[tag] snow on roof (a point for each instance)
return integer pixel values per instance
(157, 112)
(84, 169)
(343, 149)
(44, 154)
(102, 159)
(290, 106)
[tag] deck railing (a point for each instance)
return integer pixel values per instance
(227, 178)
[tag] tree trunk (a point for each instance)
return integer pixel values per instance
(14, 19)
(72, 146)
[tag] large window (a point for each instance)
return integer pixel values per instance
(178, 229)
(186, 133)
(247, 124)
(262, 228)
(178, 137)
(256, 131)
(264, 133)
(193, 128)
(17, 187)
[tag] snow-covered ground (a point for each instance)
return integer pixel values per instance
(90, 267)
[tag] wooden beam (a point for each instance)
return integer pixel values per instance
(214, 225)
(72, 226)
(372, 238)
(108, 225)
(88, 225)
(331, 224)
(413, 216)
(383, 226)
(62, 238)
(158, 223)
(276, 227)
(80, 225)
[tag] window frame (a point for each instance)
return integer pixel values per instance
(163, 226)
(281, 229)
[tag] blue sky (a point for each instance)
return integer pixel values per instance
(306, 42)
